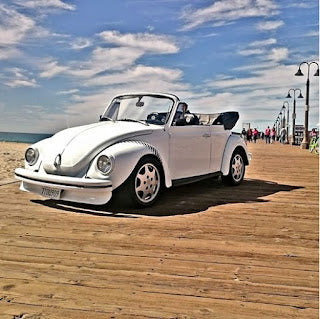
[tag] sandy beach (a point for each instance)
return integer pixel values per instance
(11, 157)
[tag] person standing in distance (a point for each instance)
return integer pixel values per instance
(267, 135)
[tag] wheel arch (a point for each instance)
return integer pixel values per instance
(242, 151)
(234, 143)
(156, 158)
(127, 155)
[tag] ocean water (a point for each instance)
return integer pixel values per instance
(22, 137)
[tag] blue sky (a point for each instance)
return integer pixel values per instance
(62, 61)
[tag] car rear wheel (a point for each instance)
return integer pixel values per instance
(236, 170)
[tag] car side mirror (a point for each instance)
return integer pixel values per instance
(100, 117)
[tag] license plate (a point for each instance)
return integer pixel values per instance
(52, 193)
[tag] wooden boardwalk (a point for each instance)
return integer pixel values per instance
(204, 251)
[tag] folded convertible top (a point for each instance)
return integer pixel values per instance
(227, 119)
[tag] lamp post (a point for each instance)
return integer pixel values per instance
(305, 141)
(283, 121)
(283, 109)
(294, 111)
(286, 102)
(280, 123)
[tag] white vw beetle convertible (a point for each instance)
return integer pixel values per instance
(142, 143)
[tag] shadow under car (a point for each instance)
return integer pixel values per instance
(187, 199)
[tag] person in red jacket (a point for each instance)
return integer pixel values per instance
(267, 135)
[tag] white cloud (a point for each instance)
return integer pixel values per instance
(269, 25)
(67, 92)
(263, 42)
(254, 66)
(101, 60)
(130, 48)
(81, 43)
(261, 94)
(259, 48)
(278, 77)
(113, 58)
(13, 26)
(209, 35)
(147, 42)
(228, 10)
(51, 69)
(16, 29)
(251, 52)
(222, 23)
(41, 32)
(278, 54)
(16, 77)
(114, 70)
(22, 82)
(138, 74)
(8, 53)
(45, 4)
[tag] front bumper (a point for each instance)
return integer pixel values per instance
(74, 189)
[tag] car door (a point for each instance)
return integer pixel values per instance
(190, 148)
(219, 138)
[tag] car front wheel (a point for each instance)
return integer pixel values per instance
(143, 186)
(236, 170)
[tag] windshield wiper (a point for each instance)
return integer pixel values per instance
(138, 121)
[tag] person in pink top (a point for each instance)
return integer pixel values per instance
(313, 133)
(267, 135)
(255, 135)
(273, 135)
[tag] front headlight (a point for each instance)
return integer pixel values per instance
(104, 164)
(31, 155)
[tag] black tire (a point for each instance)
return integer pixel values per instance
(144, 185)
(237, 169)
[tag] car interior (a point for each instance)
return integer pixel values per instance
(227, 119)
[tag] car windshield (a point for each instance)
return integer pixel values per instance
(147, 109)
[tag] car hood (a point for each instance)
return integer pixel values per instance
(70, 151)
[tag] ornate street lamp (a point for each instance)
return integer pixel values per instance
(275, 125)
(294, 111)
(284, 115)
(280, 123)
(305, 141)
(283, 120)
(286, 102)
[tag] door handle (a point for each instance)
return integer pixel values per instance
(206, 135)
